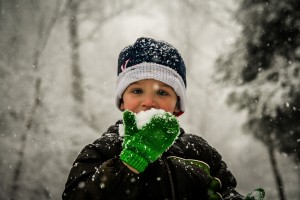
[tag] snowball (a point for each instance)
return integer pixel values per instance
(144, 117)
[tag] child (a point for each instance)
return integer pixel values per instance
(155, 158)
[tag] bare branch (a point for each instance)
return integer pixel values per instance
(45, 34)
(106, 19)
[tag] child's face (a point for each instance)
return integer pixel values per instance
(149, 93)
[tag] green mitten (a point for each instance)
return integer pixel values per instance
(145, 143)
(257, 194)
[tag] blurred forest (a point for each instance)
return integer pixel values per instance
(58, 66)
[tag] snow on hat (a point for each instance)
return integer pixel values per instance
(151, 59)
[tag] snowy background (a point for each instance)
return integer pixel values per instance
(43, 125)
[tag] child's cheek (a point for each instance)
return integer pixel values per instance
(130, 106)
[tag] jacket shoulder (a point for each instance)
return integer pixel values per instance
(107, 146)
(194, 145)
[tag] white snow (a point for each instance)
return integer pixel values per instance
(256, 195)
(121, 130)
(144, 117)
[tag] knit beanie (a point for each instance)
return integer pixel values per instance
(151, 59)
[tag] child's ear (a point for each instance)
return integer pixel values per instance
(122, 105)
(177, 106)
(176, 111)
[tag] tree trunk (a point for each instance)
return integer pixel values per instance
(298, 174)
(276, 173)
(41, 43)
(77, 90)
(19, 165)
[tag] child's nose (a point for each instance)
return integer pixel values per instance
(149, 101)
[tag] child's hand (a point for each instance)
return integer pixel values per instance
(147, 143)
(200, 172)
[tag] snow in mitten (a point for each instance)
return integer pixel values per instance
(145, 142)
(257, 194)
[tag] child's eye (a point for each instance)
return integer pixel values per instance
(162, 93)
(137, 91)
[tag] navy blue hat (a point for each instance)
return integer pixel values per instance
(151, 59)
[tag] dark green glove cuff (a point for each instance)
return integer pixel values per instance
(214, 184)
(134, 160)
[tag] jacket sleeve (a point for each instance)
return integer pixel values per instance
(98, 173)
(202, 151)
(228, 182)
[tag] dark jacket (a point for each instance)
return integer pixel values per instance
(98, 173)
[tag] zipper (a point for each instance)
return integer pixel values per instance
(170, 177)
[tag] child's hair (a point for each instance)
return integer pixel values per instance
(151, 59)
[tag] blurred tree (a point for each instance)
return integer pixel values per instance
(43, 29)
(95, 13)
(264, 70)
(25, 28)
(99, 12)
(77, 88)
(198, 15)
